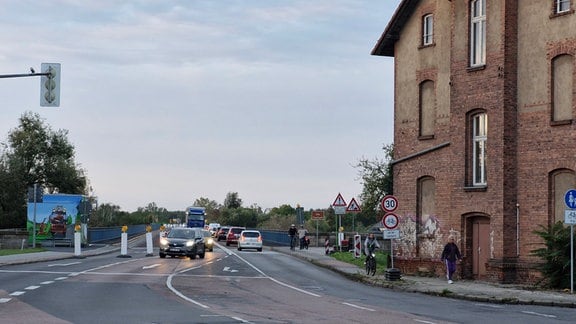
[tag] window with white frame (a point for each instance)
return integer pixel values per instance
(477, 32)
(562, 6)
(479, 138)
(427, 30)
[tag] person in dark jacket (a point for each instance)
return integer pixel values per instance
(450, 255)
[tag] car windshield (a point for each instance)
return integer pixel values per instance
(185, 234)
(251, 234)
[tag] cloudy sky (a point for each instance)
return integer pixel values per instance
(169, 101)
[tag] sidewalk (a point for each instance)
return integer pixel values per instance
(462, 289)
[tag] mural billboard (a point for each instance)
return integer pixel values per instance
(54, 215)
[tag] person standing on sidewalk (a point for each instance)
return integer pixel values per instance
(292, 232)
(450, 255)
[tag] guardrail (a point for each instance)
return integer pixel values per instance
(104, 234)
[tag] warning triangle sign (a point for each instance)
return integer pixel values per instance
(339, 201)
(353, 206)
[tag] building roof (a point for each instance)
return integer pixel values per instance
(385, 45)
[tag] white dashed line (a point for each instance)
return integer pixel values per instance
(17, 293)
(47, 282)
(32, 287)
(359, 307)
(5, 300)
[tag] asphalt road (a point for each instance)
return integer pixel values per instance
(227, 286)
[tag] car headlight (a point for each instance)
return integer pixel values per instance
(163, 241)
(210, 241)
(189, 243)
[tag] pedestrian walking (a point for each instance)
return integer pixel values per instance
(450, 255)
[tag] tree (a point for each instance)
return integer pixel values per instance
(35, 154)
(377, 181)
(232, 201)
(555, 255)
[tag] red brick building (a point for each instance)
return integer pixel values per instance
(484, 129)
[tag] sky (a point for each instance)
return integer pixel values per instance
(169, 101)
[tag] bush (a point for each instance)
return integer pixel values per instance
(555, 254)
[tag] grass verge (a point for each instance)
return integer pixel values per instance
(20, 251)
(348, 257)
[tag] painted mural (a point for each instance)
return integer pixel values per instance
(53, 216)
(429, 243)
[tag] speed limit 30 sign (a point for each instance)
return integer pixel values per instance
(389, 203)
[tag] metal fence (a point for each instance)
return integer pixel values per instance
(105, 234)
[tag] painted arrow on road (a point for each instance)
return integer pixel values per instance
(229, 270)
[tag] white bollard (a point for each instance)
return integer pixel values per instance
(77, 244)
(149, 246)
(124, 246)
(357, 246)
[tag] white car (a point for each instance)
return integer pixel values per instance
(250, 239)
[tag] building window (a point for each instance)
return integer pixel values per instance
(562, 87)
(479, 138)
(561, 6)
(427, 109)
(561, 181)
(427, 222)
(477, 33)
(427, 30)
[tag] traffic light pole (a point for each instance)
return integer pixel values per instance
(49, 83)
(5, 76)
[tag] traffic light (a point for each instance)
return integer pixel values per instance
(50, 85)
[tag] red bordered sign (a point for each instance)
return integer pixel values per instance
(389, 203)
(390, 221)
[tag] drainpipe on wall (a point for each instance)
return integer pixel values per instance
(517, 229)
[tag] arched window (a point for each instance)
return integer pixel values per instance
(562, 87)
(426, 206)
(427, 30)
(479, 139)
(560, 182)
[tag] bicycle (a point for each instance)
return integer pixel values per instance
(371, 263)
(293, 242)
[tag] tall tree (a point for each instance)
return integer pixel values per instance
(377, 181)
(35, 154)
(232, 201)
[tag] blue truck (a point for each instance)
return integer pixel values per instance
(195, 216)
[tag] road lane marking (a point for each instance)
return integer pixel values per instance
(152, 266)
(178, 293)
(5, 300)
(32, 287)
(539, 314)
(227, 269)
(267, 276)
(63, 264)
(359, 307)
(17, 293)
(47, 282)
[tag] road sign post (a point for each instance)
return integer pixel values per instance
(570, 218)
(317, 215)
(390, 221)
(339, 205)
